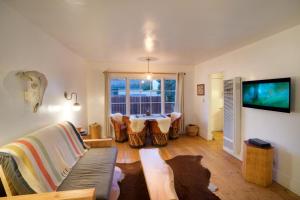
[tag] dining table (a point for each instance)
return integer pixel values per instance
(149, 117)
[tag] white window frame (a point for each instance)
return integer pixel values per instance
(129, 77)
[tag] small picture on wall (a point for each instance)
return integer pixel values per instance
(200, 89)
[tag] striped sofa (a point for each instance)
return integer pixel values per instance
(56, 158)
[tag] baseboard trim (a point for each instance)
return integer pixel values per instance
(288, 182)
(239, 157)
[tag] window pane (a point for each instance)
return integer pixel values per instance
(118, 84)
(145, 107)
(145, 85)
(156, 98)
(170, 96)
(118, 95)
(135, 99)
(156, 108)
(134, 108)
(135, 96)
(156, 85)
(134, 85)
(169, 107)
(170, 84)
(118, 108)
(118, 99)
(145, 99)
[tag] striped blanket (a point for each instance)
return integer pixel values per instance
(45, 157)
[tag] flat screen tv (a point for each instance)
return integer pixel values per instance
(271, 94)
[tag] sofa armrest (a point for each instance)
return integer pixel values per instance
(98, 143)
(85, 194)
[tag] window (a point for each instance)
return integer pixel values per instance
(118, 96)
(133, 96)
(145, 96)
(170, 95)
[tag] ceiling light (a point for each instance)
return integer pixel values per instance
(148, 59)
(149, 43)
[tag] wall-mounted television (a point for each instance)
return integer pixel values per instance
(271, 94)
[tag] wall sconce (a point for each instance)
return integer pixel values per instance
(76, 105)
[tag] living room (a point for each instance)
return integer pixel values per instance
(149, 66)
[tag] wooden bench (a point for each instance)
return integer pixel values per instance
(84, 194)
(158, 175)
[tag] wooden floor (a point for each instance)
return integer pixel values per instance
(225, 169)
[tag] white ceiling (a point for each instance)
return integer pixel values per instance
(184, 31)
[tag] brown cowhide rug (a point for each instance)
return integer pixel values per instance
(191, 180)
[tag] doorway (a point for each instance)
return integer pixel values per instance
(216, 108)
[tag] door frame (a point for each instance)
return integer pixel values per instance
(219, 75)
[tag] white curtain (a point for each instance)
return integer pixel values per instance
(107, 105)
(180, 98)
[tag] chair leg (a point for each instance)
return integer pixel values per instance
(173, 133)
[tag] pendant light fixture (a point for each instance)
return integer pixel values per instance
(148, 74)
(148, 59)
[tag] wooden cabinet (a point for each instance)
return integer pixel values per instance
(258, 164)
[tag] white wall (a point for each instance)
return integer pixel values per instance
(273, 57)
(25, 47)
(95, 84)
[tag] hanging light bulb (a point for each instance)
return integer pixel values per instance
(148, 74)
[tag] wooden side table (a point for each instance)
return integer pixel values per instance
(258, 164)
(95, 131)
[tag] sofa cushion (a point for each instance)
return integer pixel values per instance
(94, 170)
